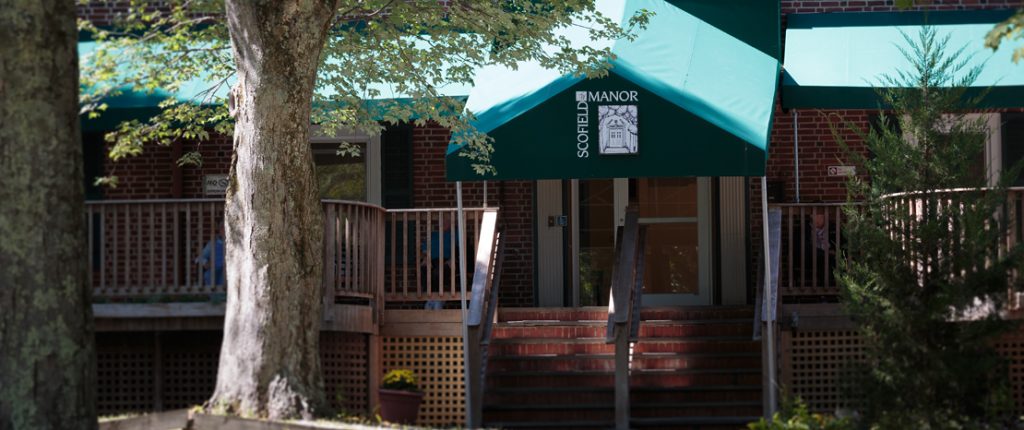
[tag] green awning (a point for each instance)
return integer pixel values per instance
(833, 60)
(143, 105)
(686, 98)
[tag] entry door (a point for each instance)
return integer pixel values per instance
(676, 212)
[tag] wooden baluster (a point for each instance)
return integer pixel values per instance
(330, 251)
(803, 248)
(366, 245)
(188, 247)
(405, 253)
(136, 274)
(152, 249)
(176, 249)
(200, 236)
(90, 213)
(104, 239)
(418, 254)
(429, 256)
(391, 217)
(789, 247)
(826, 267)
(453, 252)
(353, 243)
(163, 247)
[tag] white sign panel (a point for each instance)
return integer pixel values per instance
(842, 170)
(215, 185)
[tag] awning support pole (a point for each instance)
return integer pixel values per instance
(796, 152)
(768, 312)
(462, 303)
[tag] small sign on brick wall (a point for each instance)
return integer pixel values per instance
(842, 170)
(215, 185)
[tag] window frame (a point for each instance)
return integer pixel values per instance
(372, 156)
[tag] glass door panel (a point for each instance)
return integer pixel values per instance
(676, 261)
(672, 264)
(596, 240)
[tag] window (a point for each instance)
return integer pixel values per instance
(347, 176)
(1012, 145)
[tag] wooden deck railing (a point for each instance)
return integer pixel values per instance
(812, 239)
(151, 247)
(422, 251)
(353, 249)
(807, 269)
(146, 248)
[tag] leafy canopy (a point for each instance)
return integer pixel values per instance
(385, 62)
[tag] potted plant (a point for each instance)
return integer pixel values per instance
(400, 397)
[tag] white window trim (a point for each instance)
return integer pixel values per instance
(373, 156)
(993, 142)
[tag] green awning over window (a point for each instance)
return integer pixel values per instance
(833, 60)
(685, 98)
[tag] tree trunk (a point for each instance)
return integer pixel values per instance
(47, 364)
(270, 364)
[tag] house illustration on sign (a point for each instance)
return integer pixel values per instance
(617, 128)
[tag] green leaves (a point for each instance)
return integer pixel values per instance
(1010, 29)
(385, 62)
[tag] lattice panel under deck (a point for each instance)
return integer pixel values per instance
(345, 364)
(437, 363)
(125, 374)
(1011, 347)
(817, 360)
(189, 368)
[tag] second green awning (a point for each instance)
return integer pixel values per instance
(833, 61)
(685, 98)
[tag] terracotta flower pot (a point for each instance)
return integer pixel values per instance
(400, 406)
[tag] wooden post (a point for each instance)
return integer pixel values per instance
(474, 379)
(158, 373)
(621, 376)
(375, 373)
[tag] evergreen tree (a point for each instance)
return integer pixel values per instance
(926, 277)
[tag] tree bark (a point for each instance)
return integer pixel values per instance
(270, 364)
(47, 363)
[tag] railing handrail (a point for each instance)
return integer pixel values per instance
(620, 303)
(352, 203)
(945, 191)
(818, 204)
(487, 267)
(413, 210)
(482, 267)
(220, 200)
(621, 309)
(151, 201)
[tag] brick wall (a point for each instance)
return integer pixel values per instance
(515, 198)
(151, 174)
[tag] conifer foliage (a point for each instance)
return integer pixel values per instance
(928, 267)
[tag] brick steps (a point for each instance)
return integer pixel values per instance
(598, 329)
(642, 361)
(638, 395)
(693, 367)
(646, 314)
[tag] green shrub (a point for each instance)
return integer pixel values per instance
(795, 416)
